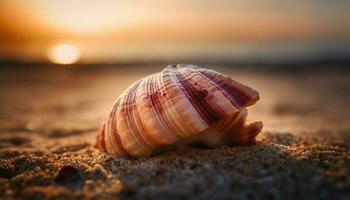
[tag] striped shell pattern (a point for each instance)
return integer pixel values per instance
(181, 104)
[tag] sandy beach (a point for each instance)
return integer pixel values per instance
(50, 116)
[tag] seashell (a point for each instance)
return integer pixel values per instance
(179, 105)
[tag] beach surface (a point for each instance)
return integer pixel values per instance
(50, 116)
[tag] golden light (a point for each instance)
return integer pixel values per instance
(64, 54)
(80, 16)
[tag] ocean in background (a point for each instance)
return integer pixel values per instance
(277, 53)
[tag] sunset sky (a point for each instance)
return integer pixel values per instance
(112, 30)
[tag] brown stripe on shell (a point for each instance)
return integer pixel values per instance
(205, 110)
(209, 90)
(147, 136)
(232, 88)
(170, 125)
(183, 125)
(101, 143)
(233, 101)
(149, 87)
(155, 93)
(130, 121)
(114, 131)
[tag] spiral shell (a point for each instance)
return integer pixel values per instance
(181, 104)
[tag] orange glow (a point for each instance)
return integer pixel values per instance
(64, 54)
(80, 16)
(111, 30)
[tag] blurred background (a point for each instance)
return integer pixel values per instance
(239, 32)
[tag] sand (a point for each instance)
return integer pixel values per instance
(50, 116)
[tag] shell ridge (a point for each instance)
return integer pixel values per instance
(217, 97)
(202, 107)
(173, 127)
(113, 133)
(100, 141)
(237, 92)
(152, 98)
(145, 133)
(224, 92)
(176, 114)
(130, 121)
(214, 95)
(159, 110)
(183, 90)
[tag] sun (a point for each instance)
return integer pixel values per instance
(64, 54)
